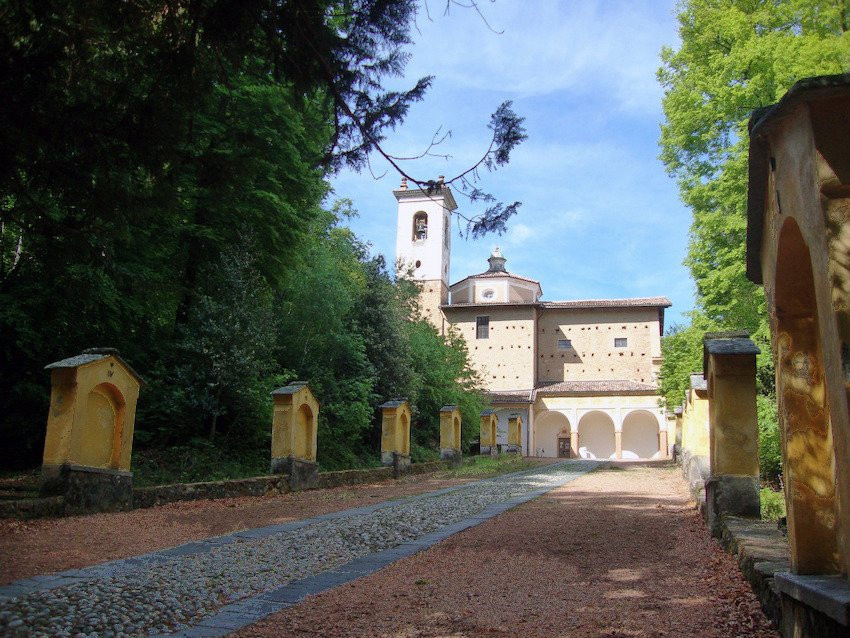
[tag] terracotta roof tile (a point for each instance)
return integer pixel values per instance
(511, 396)
(662, 302)
(621, 385)
(499, 274)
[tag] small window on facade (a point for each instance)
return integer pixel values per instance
(564, 344)
(621, 342)
(420, 226)
(446, 232)
(482, 327)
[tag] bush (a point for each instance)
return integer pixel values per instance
(199, 460)
(772, 504)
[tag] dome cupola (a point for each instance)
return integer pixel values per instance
(497, 261)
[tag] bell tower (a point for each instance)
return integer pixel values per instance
(423, 244)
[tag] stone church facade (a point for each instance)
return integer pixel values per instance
(582, 374)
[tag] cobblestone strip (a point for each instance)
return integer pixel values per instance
(214, 586)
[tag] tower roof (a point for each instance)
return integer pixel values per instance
(434, 190)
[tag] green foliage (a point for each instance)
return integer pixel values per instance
(161, 192)
(489, 465)
(442, 376)
(770, 439)
(681, 348)
(196, 460)
(772, 504)
(735, 56)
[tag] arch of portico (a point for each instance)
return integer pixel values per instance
(640, 435)
(550, 426)
(596, 435)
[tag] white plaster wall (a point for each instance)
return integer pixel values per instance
(432, 252)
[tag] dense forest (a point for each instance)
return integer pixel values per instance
(734, 56)
(164, 190)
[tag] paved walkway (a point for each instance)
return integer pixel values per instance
(617, 552)
(215, 586)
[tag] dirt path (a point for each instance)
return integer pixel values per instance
(28, 548)
(619, 552)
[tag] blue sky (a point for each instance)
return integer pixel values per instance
(600, 217)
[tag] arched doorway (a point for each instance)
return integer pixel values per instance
(303, 448)
(549, 430)
(803, 409)
(596, 436)
(98, 443)
(640, 435)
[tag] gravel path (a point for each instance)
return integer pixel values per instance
(168, 590)
(28, 548)
(619, 552)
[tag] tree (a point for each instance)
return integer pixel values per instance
(142, 140)
(735, 56)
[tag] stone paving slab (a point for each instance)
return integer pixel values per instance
(211, 621)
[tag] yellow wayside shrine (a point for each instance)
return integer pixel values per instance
(89, 439)
(450, 422)
(515, 434)
(395, 432)
(489, 432)
(294, 434)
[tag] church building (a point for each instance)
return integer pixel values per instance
(580, 374)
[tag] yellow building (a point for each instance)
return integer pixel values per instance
(581, 374)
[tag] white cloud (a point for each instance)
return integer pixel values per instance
(519, 233)
(549, 46)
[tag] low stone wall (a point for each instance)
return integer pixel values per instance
(24, 508)
(255, 486)
(697, 472)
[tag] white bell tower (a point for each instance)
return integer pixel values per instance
(423, 243)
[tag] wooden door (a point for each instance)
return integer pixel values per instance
(564, 447)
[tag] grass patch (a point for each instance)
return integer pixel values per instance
(489, 465)
(772, 504)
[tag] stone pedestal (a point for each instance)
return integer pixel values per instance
(732, 495)
(450, 455)
(400, 463)
(303, 475)
(88, 489)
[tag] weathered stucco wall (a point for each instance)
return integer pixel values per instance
(432, 294)
(506, 358)
(804, 253)
(592, 355)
